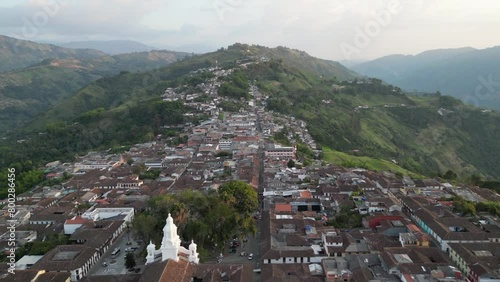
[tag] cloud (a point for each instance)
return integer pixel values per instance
(317, 26)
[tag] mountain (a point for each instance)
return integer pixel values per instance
(17, 54)
(30, 91)
(469, 74)
(358, 121)
(73, 106)
(112, 47)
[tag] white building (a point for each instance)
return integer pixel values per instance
(171, 246)
(105, 213)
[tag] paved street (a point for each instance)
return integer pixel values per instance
(117, 265)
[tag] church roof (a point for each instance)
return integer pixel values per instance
(168, 271)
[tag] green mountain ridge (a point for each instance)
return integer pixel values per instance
(73, 106)
(17, 54)
(27, 92)
(465, 73)
(361, 117)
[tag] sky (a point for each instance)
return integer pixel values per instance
(329, 29)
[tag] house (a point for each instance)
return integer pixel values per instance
(98, 234)
(479, 261)
(35, 275)
(72, 224)
(278, 151)
(75, 260)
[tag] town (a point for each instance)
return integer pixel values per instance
(314, 221)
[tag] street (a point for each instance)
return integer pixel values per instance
(117, 265)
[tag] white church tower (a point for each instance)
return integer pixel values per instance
(150, 258)
(171, 246)
(193, 255)
(171, 242)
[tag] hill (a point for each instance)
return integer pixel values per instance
(30, 91)
(17, 54)
(426, 135)
(112, 47)
(466, 73)
(237, 53)
(374, 125)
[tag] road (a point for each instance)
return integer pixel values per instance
(117, 265)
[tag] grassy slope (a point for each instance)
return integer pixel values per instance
(395, 126)
(340, 158)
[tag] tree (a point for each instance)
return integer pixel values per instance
(475, 179)
(290, 163)
(130, 161)
(241, 194)
(130, 260)
(144, 226)
(450, 175)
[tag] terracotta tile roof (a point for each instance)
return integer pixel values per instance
(215, 272)
(65, 258)
(168, 271)
(283, 208)
(76, 220)
(129, 277)
(305, 194)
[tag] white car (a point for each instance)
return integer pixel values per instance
(250, 256)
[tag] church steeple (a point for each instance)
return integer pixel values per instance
(150, 258)
(171, 241)
(193, 254)
(171, 245)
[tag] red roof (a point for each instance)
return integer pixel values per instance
(305, 194)
(283, 208)
(412, 227)
(76, 220)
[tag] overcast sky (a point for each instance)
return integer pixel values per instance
(330, 29)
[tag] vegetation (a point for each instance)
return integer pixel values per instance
(379, 121)
(346, 160)
(347, 218)
(236, 86)
(130, 260)
(150, 174)
(26, 177)
(210, 219)
(26, 93)
(464, 207)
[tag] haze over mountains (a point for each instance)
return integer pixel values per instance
(469, 74)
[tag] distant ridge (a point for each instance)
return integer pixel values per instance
(17, 54)
(455, 72)
(112, 47)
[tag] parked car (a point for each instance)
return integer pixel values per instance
(137, 270)
(250, 256)
(104, 264)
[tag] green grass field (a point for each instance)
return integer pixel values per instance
(340, 158)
